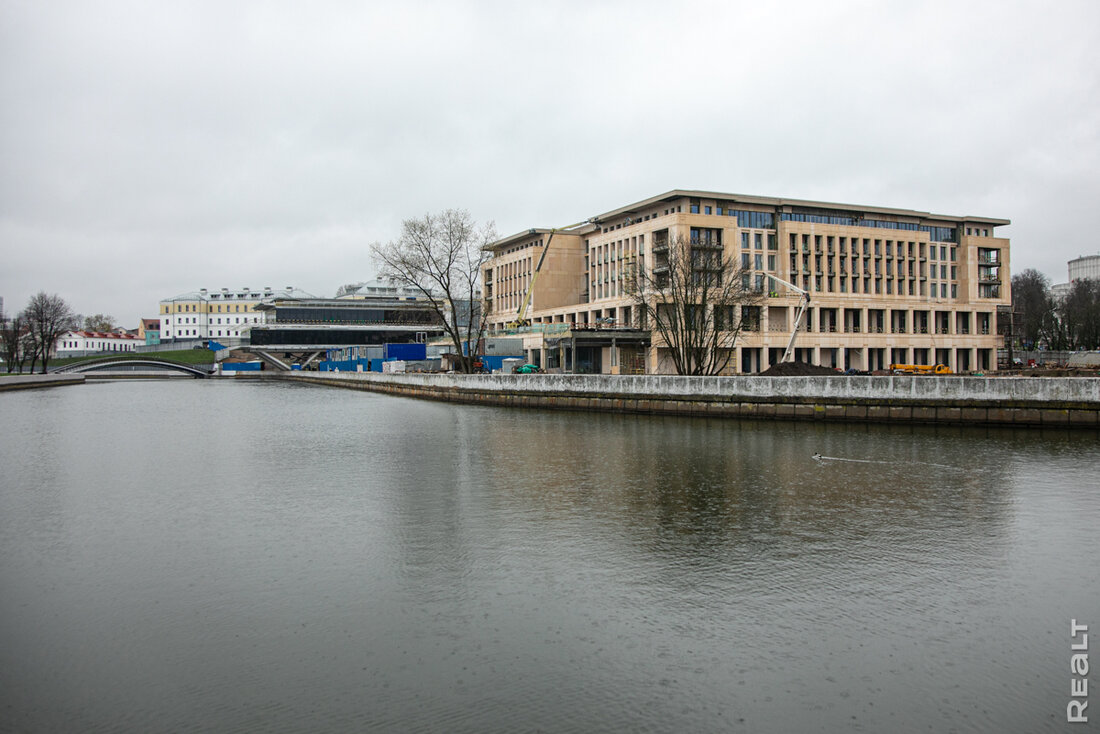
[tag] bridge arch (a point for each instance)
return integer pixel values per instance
(108, 362)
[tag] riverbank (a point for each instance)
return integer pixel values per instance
(1061, 402)
(26, 382)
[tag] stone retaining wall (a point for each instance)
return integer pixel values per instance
(24, 382)
(892, 399)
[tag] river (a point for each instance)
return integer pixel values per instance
(202, 555)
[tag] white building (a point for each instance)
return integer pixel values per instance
(221, 314)
(84, 343)
(378, 288)
(1084, 267)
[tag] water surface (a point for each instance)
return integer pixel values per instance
(234, 556)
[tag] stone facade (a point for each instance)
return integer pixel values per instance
(885, 285)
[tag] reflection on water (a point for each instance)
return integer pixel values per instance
(212, 555)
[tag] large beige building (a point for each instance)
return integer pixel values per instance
(885, 285)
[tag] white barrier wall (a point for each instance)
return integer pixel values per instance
(895, 387)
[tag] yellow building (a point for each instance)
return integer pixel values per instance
(885, 285)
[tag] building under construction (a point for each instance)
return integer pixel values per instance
(883, 285)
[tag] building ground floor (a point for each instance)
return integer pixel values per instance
(566, 353)
(845, 336)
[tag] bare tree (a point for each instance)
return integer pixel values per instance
(1077, 317)
(695, 300)
(99, 322)
(13, 337)
(440, 255)
(1032, 308)
(48, 317)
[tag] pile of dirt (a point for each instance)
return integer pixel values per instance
(797, 369)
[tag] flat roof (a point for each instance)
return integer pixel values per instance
(573, 229)
(344, 327)
(777, 202)
(768, 201)
(345, 303)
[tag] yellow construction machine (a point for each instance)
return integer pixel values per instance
(921, 369)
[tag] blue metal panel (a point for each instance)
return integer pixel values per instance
(242, 366)
(405, 351)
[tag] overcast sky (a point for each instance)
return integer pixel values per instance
(153, 148)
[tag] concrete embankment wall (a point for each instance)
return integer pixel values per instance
(25, 382)
(894, 399)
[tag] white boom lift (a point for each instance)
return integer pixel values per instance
(803, 302)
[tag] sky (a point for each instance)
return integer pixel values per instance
(149, 149)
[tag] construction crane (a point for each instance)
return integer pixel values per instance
(521, 313)
(803, 302)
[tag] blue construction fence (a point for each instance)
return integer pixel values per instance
(355, 359)
(351, 359)
(242, 366)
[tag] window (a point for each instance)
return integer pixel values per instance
(771, 262)
(745, 260)
(758, 241)
(772, 243)
(758, 262)
(745, 240)
(706, 210)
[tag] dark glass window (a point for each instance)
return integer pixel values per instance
(754, 220)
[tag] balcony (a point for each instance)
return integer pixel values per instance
(706, 244)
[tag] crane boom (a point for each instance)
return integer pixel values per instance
(803, 301)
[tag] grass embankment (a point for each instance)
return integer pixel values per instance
(183, 356)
